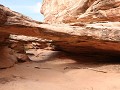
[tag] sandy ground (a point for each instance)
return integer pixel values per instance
(51, 70)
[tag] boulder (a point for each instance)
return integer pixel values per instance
(7, 57)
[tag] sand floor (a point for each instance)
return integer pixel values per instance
(61, 72)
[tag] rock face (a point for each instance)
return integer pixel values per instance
(73, 37)
(93, 21)
(78, 37)
(66, 11)
(7, 57)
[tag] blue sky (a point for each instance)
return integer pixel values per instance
(29, 8)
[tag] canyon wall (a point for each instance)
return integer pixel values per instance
(88, 27)
(101, 15)
(69, 11)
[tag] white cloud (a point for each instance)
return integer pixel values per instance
(37, 7)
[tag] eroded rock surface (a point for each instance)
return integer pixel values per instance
(7, 57)
(78, 37)
(95, 22)
(66, 11)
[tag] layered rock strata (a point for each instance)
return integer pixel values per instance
(78, 37)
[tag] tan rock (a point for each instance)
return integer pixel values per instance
(21, 57)
(7, 58)
(74, 37)
(67, 11)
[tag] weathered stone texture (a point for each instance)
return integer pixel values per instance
(88, 27)
(67, 11)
